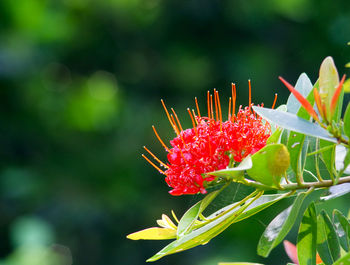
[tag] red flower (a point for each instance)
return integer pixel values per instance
(210, 145)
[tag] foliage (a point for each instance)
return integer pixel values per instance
(277, 172)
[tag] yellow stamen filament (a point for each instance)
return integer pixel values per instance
(160, 140)
(198, 112)
(155, 157)
(274, 101)
(208, 104)
(149, 161)
(177, 119)
(168, 115)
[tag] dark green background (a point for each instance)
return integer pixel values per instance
(80, 87)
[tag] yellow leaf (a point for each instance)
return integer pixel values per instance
(153, 233)
(168, 221)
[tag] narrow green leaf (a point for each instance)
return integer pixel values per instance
(327, 240)
(347, 121)
(337, 191)
(345, 260)
(269, 163)
(208, 199)
(201, 235)
(342, 227)
(292, 122)
(191, 215)
(295, 146)
(257, 206)
(234, 173)
(275, 136)
(280, 226)
(328, 156)
(188, 219)
(307, 234)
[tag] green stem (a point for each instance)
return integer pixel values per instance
(323, 184)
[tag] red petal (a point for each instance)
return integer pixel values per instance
(306, 104)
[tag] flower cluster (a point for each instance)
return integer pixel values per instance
(212, 144)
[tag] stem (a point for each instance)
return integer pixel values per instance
(323, 184)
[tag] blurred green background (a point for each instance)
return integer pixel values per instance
(80, 87)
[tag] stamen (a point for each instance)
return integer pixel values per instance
(216, 106)
(160, 140)
(195, 118)
(233, 100)
(219, 105)
(156, 158)
(149, 161)
(208, 103)
(250, 93)
(168, 115)
(193, 122)
(198, 112)
(274, 101)
(175, 125)
(178, 132)
(177, 119)
(211, 107)
(229, 109)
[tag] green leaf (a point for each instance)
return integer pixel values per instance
(275, 136)
(296, 141)
(294, 123)
(345, 260)
(234, 173)
(342, 227)
(203, 234)
(336, 191)
(295, 146)
(307, 234)
(269, 163)
(327, 241)
(347, 121)
(211, 229)
(304, 87)
(189, 218)
(328, 156)
(280, 226)
(153, 233)
(257, 206)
